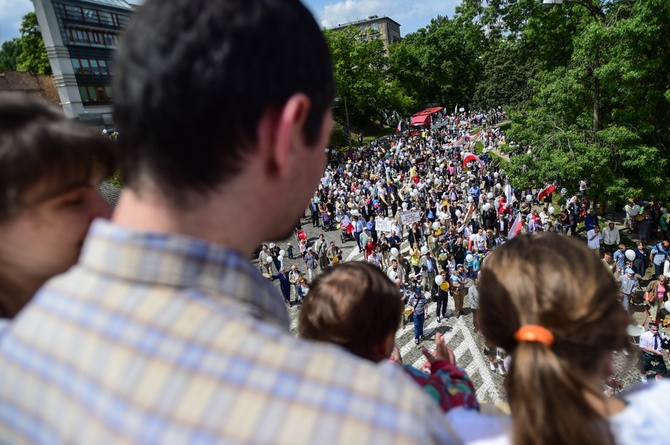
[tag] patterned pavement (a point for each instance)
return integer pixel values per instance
(469, 347)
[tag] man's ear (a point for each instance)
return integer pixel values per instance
(384, 348)
(280, 131)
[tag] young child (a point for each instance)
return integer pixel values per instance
(629, 287)
(303, 248)
(338, 309)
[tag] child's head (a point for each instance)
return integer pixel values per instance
(354, 305)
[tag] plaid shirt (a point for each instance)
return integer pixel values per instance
(159, 338)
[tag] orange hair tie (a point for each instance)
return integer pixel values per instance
(536, 333)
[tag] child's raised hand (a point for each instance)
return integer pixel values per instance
(442, 351)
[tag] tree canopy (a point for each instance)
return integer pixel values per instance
(9, 55)
(438, 64)
(600, 108)
(360, 64)
(33, 57)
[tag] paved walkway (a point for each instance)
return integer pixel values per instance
(468, 346)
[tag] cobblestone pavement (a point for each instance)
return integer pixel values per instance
(468, 346)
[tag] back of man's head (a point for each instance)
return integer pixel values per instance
(194, 77)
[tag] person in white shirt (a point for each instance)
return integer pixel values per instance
(480, 241)
(611, 237)
(375, 258)
(652, 358)
(594, 238)
(555, 309)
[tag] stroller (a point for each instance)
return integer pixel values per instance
(327, 221)
(346, 230)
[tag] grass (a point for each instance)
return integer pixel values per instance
(505, 125)
(339, 141)
(376, 134)
(496, 158)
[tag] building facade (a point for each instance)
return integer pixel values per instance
(388, 29)
(80, 37)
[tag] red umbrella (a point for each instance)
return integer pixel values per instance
(548, 190)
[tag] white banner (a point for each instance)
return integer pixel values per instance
(410, 217)
(383, 225)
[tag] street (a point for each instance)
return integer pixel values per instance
(469, 348)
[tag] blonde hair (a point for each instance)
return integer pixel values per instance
(557, 283)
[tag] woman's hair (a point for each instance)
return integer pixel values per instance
(354, 305)
(557, 283)
(39, 143)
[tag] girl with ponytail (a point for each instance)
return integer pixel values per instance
(552, 304)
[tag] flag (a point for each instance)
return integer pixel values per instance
(399, 129)
(477, 136)
(516, 227)
(468, 214)
(456, 109)
(471, 157)
(508, 195)
(548, 190)
(398, 147)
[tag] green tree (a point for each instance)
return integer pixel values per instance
(506, 76)
(33, 57)
(9, 54)
(360, 66)
(604, 113)
(439, 63)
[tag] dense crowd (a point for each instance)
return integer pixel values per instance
(444, 194)
(153, 326)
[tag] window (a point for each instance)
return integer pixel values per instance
(76, 66)
(91, 16)
(105, 18)
(80, 36)
(95, 70)
(74, 12)
(108, 89)
(83, 92)
(92, 93)
(85, 67)
(103, 68)
(96, 37)
(374, 26)
(110, 39)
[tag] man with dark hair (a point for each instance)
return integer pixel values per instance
(164, 332)
(50, 168)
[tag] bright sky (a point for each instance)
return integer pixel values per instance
(411, 15)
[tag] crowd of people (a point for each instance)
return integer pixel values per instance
(453, 207)
(154, 327)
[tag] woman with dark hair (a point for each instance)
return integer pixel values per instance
(415, 235)
(551, 303)
(50, 170)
